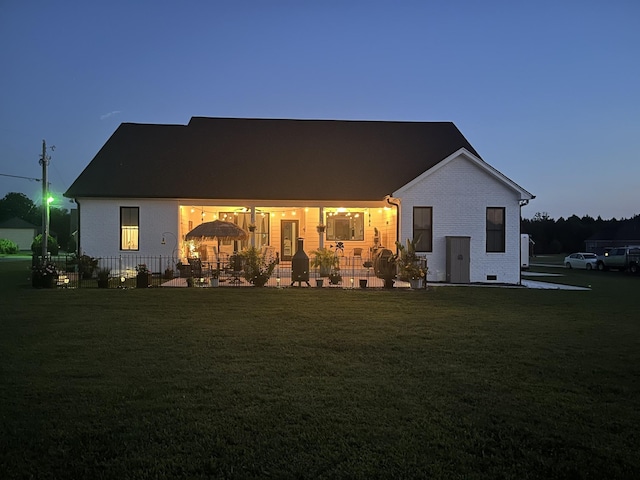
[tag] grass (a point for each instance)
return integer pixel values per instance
(455, 382)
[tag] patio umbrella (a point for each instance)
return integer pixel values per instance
(217, 230)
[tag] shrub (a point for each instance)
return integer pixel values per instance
(52, 245)
(7, 246)
(257, 267)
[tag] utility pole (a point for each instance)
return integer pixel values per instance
(44, 161)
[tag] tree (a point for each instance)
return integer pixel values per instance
(18, 205)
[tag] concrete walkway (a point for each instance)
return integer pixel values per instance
(546, 285)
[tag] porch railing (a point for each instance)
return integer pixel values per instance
(166, 271)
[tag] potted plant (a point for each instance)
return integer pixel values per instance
(320, 228)
(143, 278)
(257, 267)
(103, 277)
(325, 260)
(363, 281)
(44, 275)
(384, 266)
(86, 266)
(215, 278)
(168, 273)
(334, 276)
(410, 266)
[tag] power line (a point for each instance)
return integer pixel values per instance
(19, 176)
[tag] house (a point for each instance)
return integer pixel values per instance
(363, 183)
(19, 231)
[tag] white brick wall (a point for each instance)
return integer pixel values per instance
(100, 226)
(459, 192)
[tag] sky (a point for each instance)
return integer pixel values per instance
(547, 92)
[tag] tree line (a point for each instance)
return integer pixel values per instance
(18, 205)
(567, 235)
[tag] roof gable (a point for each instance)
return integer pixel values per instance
(266, 158)
(482, 165)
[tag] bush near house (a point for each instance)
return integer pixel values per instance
(52, 245)
(7, 246)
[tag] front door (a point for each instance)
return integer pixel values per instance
(288, 237)
(458, 259)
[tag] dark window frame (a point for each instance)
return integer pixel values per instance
(351, 226)
(496, 230)
(127, 220)
(423, 233)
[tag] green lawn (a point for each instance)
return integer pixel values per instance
(454, 382)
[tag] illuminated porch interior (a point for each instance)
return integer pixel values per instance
(277, 227)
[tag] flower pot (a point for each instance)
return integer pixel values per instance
(260, 281)
(44, 281)
(319, 282)
(415, 283)
(363, 283)
(215, 282)
(143, 280)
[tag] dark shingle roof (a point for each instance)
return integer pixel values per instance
(17, 223)
(266, 159)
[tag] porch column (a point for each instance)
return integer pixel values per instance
(252, 235)
(321, 222)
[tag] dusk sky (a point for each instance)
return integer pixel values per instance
(548, 92)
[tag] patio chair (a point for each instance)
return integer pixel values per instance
(356, 253)
(196, 267)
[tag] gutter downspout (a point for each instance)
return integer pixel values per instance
(78, 239)
(523, 203)
(390, 200)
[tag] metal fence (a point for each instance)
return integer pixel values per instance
(132, 271)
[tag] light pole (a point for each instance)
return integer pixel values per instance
(44, 161)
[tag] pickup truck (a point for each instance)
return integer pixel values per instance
(621, 258)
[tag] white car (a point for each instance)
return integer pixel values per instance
(581, 260)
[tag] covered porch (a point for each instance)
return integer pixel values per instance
(360, 228)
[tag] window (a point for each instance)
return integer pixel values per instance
(495, 229)
(129, 228)
(422, 228)
(345, 226)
